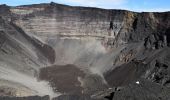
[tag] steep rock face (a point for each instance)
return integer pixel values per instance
(21, 57)
(63, 20)
(93, 49)
(69, 21)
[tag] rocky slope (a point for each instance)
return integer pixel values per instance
(83, 53)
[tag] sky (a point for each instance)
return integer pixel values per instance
(133, 5)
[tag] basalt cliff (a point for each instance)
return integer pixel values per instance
(59, 52)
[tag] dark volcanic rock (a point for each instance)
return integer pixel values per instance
(145, 90)
(125, 74)
(74, 97)
(63, 78)
(155, 41)
(4, 10)
(26, 98)
(138, 73)
(160, 74)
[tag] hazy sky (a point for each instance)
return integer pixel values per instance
(134, 5)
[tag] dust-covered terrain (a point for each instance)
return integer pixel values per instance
(59, 52)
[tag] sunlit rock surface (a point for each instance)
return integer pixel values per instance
(81, 53)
